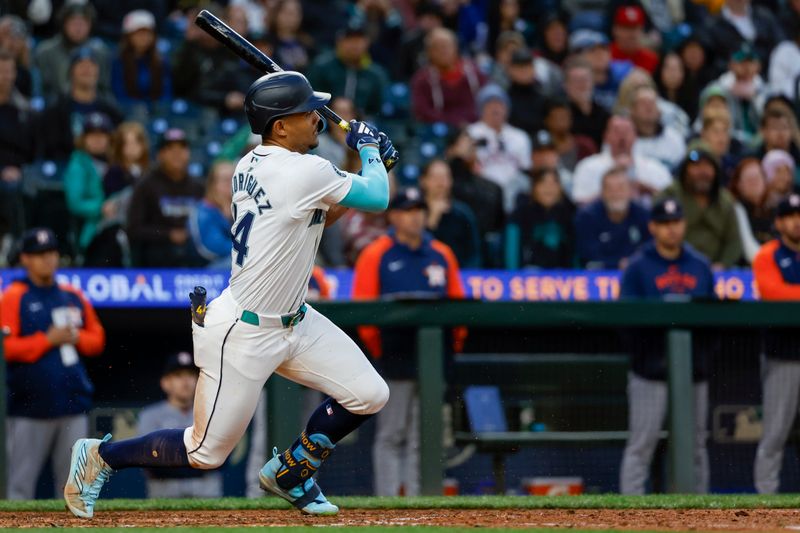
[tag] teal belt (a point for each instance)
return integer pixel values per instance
(287, 321)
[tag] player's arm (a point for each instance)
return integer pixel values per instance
(19, 348)
(92, 336)
(768, 276)
(335, 213)
(370, 187)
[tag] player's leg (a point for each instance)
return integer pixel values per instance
(780, 398)
(647, 407)
(391, 434)
(412, 472)
(70, 429)
(29, 442)
(327, 360)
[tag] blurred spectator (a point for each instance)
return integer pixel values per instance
(206, 73)
(711, 226)
(696, 60)
(745, 89)
(255, 14)
(654, 139)
(347, 71)
(610, 229)
(524, 93)
(63, 120)
(359, 229)
(209, 224)
(784, 63)
(673, 85)
(411, 56)
(129, 158)
(83, 182)
(540, 232)
(740, 22)
(449, 220)
(777, 273)
(716, 137)
(110, 21)
(648, 175)
(331, 142)
(178, 382)
(484, 197)
(161, 204)
(507, 43)
(503, 16)
(754, 218)
(14, 39)
(445, 90)
(139, 73)
(588, 117)
(53, 58)
(571, 148)
(236, 17)
(47, 326)
(607, 74)
(384, 27)
(405, 263)
(671, 115)
(628, 33)
(779, 168)
(16, 149)
(292, 46)
(667, 268)
(466, 19)
(778, 132)
(554, 38)
(504, 151)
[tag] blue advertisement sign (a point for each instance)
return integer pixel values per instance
(171, 287)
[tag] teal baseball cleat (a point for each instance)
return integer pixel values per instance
(306, 496)
(87, 474)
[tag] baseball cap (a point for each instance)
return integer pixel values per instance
(38, 240)
(584, 39)
(178, 361)
(354, 27)
(522, 56)
(407, 198)
(698, 154)
(139, 19)
(492, 92)
(81, 53)
(632, 16)
(97, 121)
(172, 135)
(745, 52)
(666, 210)
(788, 205)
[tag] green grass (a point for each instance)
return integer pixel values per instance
(602, 501)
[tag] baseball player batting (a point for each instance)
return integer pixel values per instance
(282, 199)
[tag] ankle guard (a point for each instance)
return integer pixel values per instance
(302, 460)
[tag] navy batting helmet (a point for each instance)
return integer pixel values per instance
(279, 94)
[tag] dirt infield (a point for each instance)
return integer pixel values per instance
(651, 519)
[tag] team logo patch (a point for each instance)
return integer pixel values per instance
(342, 173)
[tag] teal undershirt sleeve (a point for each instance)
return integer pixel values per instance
(370, 189)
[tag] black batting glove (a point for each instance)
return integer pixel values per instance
(389, 155)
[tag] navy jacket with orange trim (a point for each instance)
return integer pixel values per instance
(776, 269)
(41, 383)
(389, 269)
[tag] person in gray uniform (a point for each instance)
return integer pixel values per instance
(178, 382)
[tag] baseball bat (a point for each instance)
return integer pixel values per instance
(257, 59)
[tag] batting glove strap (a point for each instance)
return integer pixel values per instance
(361, 134)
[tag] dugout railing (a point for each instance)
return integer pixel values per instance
(431, 318)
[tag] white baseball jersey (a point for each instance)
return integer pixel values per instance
(280, 200)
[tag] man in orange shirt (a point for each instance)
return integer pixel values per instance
(405, 263)
(47, 327)
(776, 268)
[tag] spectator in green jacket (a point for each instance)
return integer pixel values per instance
(349, 71)
(711, 225)
(83, 178)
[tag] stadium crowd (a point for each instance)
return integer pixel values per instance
(538, 132)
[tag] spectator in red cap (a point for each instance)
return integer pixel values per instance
(628, 32)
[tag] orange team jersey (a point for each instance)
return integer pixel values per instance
(776, 268)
